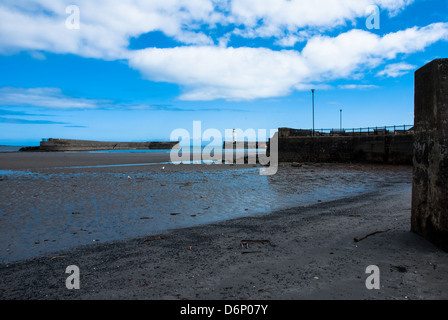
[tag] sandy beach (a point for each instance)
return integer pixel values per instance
(198, 232)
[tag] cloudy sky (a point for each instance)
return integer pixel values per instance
(136, 70)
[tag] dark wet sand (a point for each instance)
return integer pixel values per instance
(39, 160)
(307, 252)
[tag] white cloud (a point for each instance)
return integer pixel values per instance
(264, 18)
(290, 40)
(210, 72)
(105, 27)
(214, 72)
(52, 98)
(357, 86)
(396, 70)
(205, 67)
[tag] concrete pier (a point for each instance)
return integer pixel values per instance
(385, 149)
(429, 216)
(88, 145)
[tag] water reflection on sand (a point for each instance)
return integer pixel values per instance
(48, 210)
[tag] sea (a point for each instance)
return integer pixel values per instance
(9, 148)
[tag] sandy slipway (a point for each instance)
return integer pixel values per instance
(299, 253)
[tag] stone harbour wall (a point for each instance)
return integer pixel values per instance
(387, 149)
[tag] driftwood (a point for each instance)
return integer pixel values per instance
(246, 242)
(244, 252)
(57, 257)
(370, 234)
(158, 238)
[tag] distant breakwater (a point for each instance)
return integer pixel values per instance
(89, 145)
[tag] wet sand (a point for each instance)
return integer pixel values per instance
(300, 248)
(65, 201)
(32, 161)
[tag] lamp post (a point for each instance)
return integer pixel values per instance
(340, 120)
(312, 90)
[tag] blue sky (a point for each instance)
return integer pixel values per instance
(138, 70)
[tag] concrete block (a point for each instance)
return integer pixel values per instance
(429, 217)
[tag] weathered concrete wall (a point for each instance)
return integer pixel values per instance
(87, 145)
(430, 181)
(389, 149)
(243, 145)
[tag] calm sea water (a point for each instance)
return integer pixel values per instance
(17, 148)
(10, 148)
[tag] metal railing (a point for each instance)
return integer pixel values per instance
(394, 130)
(383, 130)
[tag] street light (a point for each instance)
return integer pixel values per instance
(341, 119)
(312, 90)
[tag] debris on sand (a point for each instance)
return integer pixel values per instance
(246, 242)
(158, 238)
(370, 234)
